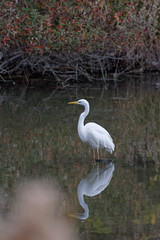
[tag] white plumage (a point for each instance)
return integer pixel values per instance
(94, 134)
(94, 183)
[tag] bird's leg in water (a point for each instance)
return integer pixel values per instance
(98, 153)
(94, 155)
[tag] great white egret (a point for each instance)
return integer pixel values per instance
(94, 134)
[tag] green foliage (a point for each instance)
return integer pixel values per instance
(42, 26)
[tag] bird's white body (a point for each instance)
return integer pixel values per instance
(94, 134)
(97, 137)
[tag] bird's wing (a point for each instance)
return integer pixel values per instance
(97, 128)
(97, 136)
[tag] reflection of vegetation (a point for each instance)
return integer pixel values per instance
(140, 136)
(40, 138)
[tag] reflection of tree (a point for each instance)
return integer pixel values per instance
(137, 125)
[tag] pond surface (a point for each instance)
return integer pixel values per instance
(115, 199)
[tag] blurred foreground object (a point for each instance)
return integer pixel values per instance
(36, 214)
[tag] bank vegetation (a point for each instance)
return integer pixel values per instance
(66, 42)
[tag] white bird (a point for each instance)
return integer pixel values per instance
(95, 182)
(94, 134)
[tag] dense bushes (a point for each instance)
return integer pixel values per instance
(127, 31)
(41, 26)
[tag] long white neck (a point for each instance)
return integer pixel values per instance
(82, 117)
(84, 206)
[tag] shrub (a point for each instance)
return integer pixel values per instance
(44, 26)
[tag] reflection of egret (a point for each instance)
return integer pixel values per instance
(93, 133)
(95, 182)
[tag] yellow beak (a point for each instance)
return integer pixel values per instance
(72, 215)
(73, 102)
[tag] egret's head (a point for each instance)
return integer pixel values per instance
(82, 102)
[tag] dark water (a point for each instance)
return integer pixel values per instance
(38, 138)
